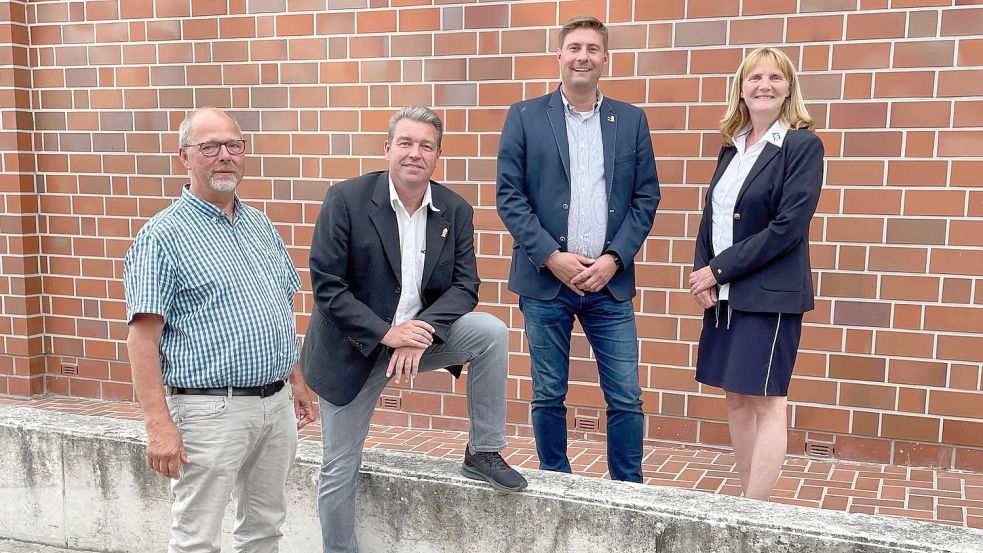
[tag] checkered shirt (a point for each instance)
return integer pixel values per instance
(225, 291)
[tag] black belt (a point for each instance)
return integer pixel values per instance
(261, 391)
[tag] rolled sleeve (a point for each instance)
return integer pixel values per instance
(148, 278)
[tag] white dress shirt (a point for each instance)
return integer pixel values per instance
(412, 252)
(725, 193)
(587, 221)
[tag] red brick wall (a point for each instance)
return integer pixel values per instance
(21, 319)
(890, 362)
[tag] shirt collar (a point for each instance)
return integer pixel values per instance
(572, 110)
(775, 135)
(395, 201)
(204, 206)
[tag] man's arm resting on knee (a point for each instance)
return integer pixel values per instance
(165, 449)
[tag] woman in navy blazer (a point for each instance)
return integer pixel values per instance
(751, 270)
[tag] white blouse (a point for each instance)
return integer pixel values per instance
(725, 192)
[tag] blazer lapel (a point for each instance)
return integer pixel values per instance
(764, 159)
(725, 157)
(558, 124)
(384, 219)
(438, 231)
(609, 133)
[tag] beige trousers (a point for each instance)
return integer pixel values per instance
(239, 447)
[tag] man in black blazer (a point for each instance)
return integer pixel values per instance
(395, 285)
(577, 189)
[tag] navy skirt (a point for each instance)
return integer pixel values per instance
(748, 353)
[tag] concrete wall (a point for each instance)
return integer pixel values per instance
(91, 94)
(82, 482)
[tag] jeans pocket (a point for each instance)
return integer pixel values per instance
(196, 408)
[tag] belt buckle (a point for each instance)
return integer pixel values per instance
(267, 390)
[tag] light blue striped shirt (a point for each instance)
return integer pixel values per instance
(225, 290)
(587, 222)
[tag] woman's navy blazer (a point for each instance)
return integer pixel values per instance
(768, 266)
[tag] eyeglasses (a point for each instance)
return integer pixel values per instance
(210, 149)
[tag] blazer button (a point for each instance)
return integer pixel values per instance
(610, 211)
(563, 239)
(399, 290)
(565, 206)
(737, 216)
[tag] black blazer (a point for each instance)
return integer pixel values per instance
(355, 275)
(768, 266)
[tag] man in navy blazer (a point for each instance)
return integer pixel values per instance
(577, 189)
(395, 286)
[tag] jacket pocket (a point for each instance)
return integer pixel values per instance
(624, 157)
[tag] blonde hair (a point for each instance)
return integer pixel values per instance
(793, 112)
(582, 22)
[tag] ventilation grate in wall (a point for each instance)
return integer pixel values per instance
(819, 449)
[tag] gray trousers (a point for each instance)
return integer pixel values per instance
(477, 337)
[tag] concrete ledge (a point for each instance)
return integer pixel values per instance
(81, 482)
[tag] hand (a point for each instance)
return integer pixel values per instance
(413, 333)
(565, 266)
(706, 298)
(303, 407)
(405, 361)
(165, 449)
(597, 276)
(701, 280)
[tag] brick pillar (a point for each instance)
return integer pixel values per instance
(21, 322)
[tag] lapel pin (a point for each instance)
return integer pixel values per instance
(611, 118)
(776, 136)
(443, 233)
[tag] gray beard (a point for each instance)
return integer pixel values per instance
(220, 184)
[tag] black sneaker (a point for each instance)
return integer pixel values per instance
(490, 467)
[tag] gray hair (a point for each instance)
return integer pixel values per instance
(417, 113)
(184, 130)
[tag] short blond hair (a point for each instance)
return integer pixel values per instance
(582, 22)
(793, 112)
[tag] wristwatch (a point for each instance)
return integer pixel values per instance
(617, 259)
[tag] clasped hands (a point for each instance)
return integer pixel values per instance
(409, 341)
(703, 286)
(582, 274)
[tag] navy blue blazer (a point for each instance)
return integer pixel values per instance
(356, 272)
(768, 266)
(533, 195)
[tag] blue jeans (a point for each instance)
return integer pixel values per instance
(610, 329)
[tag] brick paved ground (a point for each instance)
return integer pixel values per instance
(940, 496)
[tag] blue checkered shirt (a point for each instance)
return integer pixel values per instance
(225, 290)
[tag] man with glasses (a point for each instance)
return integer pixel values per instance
(212, 344)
